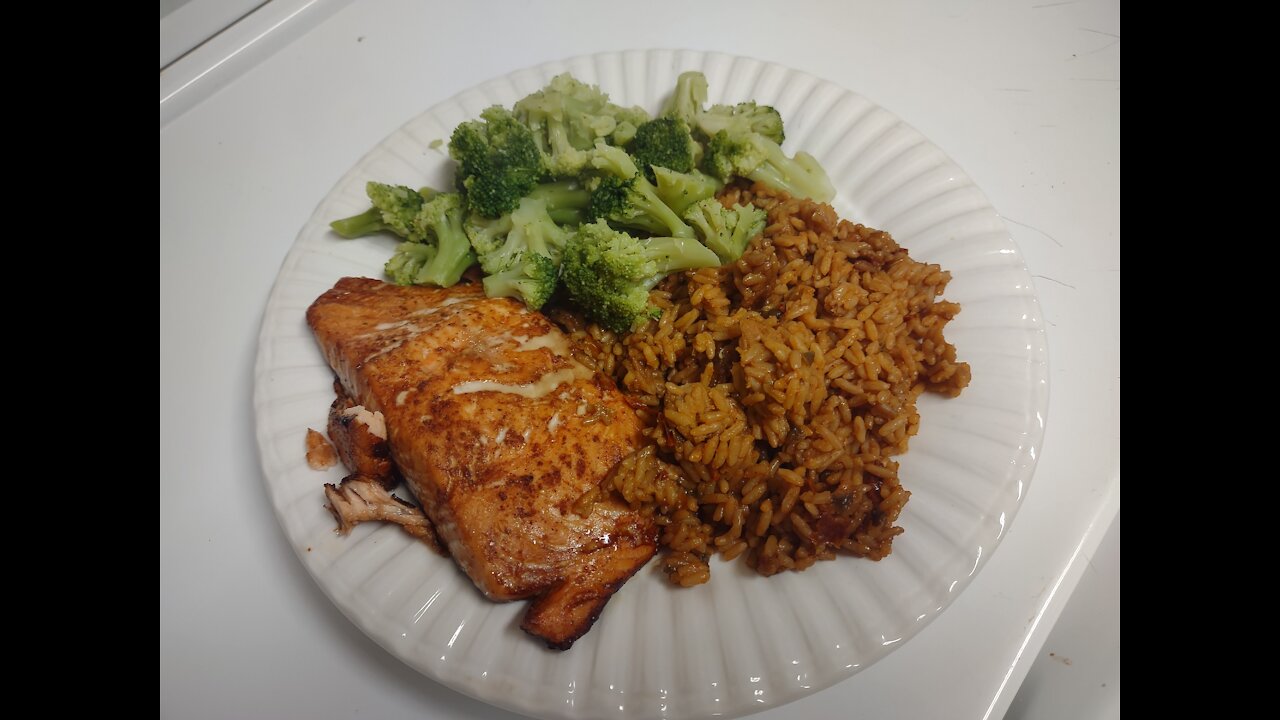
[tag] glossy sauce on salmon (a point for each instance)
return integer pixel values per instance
(498, 431)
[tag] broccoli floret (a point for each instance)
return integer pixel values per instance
(394, 207)
(565, 201)
(532, 279)
(532, 231)
(609, 273)
(727, 231)
(533, 226)
(665, 142)
(612, 161)
(728, 156)
(687, 100)
(486, 234)
(742, 118)
(629, 121)
(440, 223)
(758, 158)
(633, 203)
(567, 117)
(525, 263)
(498, 161)
(398, 205)
(409, 260)
(624, 197)
(680, 190)
(438, 250)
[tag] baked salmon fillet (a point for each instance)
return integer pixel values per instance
(498, 431)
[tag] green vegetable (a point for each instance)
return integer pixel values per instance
(437, 251)
(568, 117)
(680, 190)
(525, 263)
(665, 142)
(608, 273)
(444, 252)
(758, 158)
(531, 229)
(441, 217)
(410, 259)
(529, 178)
(687, 100)
(742, 118)
(366, 223)
(727, 231)
(567, 200)
(498, 161)
(625, 198)
(566, 203)
(394, 207)
(532, 279)
(486, 234)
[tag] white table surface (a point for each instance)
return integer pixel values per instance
(258, 124)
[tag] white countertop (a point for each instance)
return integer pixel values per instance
(262, 120)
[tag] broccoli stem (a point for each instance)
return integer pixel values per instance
(674, 253)
(680, 191)
(800, 176)
(654, 206)
(563, 195)
(454, 255)
(567, 216)
(367, 222)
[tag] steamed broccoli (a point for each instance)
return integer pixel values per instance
(439, 222)
(758, 158)
(687, 101)
(680, 190)
(725, 230)
(746, 140)
(366, 223)
(568, 117)
(410, 259)
(624, 197)
(632, 203)
(609, 273)
(690, 93)
(437, 251)
(526, 262)
(567, 200)
(629, 121)
(498, 161)
(393, 209)
(665, 142)
(486, 234)
(531, 231)
(532, 279)
(742, 118)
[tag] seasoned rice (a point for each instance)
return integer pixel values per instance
(777, 390)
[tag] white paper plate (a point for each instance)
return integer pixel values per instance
(742, 642)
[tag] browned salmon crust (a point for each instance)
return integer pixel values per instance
(361, 451)
(497, 431)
